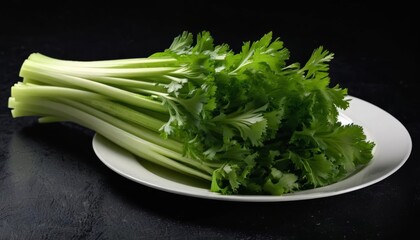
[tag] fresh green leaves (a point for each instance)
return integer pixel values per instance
(266, 106)
(249, 122)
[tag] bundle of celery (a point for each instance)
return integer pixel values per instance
(247, 122)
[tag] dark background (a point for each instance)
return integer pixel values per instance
(52, 185)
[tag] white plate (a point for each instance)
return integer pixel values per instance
(393, 147)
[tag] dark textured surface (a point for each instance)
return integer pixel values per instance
(52, 185)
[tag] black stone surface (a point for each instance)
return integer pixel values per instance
(52, 185)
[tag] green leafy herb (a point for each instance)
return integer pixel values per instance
(247, 122)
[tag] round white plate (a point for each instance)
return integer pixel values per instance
(393, 147)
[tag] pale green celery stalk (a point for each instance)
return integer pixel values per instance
(32, 81)
(58, 79)
(126, 114)
(86, 72)
(167, 147)
(152, 136)
(94, 100)
(120, 63)
(100, 85)
(129, 75)
(124, 82)
(151, 93)
(126, 140)
(31, 90)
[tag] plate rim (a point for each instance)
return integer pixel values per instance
(321, 192)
